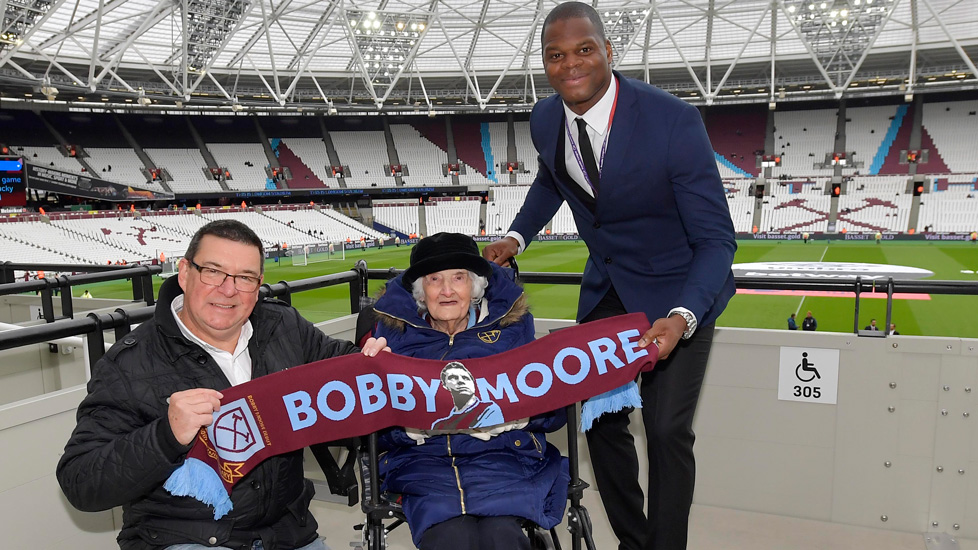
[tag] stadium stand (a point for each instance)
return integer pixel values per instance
(180, 224)
(884, 187)
(366, 154)
(866, 129)
(398, 215)
(741, 212)
(333, 225)
(738, 187)
(119, 165)
(345, 225)
(525, 153)
(802, 138)
(49, 157)
(563, 221)
(950, 210)
(187, 168)
(121, 230)
(472, 176)
(310, 159)
(953, 126)
(458, 216)
(245, 161)
(504, 204)
(65, 240)
(471, 149)
(271, 231)
(861, 213)
(736, 137)
(793, 213)
(423, 158)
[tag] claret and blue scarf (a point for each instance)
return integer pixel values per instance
(355, 395)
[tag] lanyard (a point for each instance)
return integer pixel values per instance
(604, 146)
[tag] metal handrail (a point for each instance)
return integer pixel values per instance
(141, 277)
(120, 320)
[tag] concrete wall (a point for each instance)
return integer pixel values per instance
(852, 463)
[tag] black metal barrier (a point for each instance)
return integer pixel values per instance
(141, 277)
(121, 320)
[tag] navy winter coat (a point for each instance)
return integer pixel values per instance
(516, 473)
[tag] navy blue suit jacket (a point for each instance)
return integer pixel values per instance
(660, 229)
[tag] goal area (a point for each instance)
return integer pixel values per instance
(318, 252)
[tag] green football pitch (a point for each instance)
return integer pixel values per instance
(933, 315)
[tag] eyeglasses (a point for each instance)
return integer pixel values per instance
(216, 277)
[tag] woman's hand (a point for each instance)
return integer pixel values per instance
(373, 346)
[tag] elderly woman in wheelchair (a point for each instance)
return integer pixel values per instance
(473, 479)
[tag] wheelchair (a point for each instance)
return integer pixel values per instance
(383, 513)
(380, 508)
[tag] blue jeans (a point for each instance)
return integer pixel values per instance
(314, 545)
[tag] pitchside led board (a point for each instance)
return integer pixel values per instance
(13, 183)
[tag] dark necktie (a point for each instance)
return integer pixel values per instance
(587, 154)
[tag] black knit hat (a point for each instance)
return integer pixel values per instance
(444, 251)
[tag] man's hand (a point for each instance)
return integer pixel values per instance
(501, 251)
(666, 332)
(373, 346)
(190, 410)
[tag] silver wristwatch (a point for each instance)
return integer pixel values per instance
(690, 321)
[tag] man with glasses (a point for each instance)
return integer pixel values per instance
(153, 391)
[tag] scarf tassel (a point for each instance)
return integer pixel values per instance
(198, 480)
(610, 401)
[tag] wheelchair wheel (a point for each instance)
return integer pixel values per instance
(540, 539)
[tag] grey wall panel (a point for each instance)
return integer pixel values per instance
(754, 452)
(764, 476)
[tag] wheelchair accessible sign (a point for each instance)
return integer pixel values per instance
(810, 375)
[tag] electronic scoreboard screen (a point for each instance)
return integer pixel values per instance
(13, 183)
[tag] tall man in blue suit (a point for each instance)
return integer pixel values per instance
(638, 171)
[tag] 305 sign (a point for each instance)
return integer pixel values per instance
(808, 374)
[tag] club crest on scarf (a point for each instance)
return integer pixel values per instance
(235, 432)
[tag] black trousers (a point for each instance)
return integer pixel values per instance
(476, 533)
(669, 396)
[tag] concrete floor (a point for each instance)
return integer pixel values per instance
(711, 528)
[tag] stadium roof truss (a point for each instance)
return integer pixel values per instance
(467, 55)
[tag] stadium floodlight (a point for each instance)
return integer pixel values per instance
(386, 36)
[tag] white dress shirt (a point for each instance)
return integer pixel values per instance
(235, 366)
(598, 120)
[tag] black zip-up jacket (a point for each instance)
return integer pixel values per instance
(122, 449)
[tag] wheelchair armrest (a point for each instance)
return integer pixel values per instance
(341, 481)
